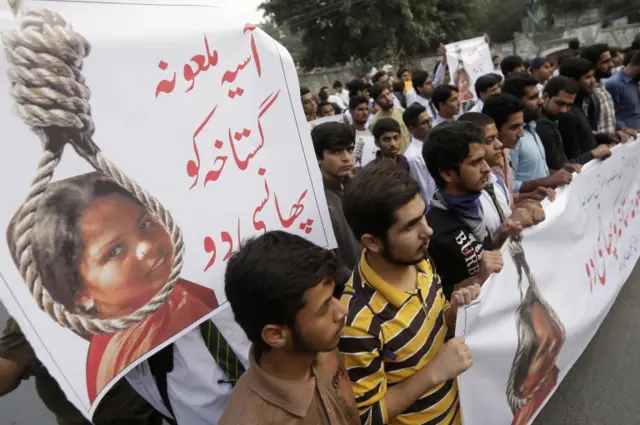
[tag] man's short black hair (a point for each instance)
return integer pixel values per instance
(411, 115)
(485, 82)
(592, 53)
(376, 77)
(385, 125)
(332, 135)
(557, 84)
(337, 84)
(267, 278)
(501, 106)
(441, 94)
(479, 119)
(322, 105)
(374, 195)
(355, 101)
(510, 63)
(418, 78)
(516, 84)
(494, 57)
(304, 90)
(447, 146)
(376, 90)
(575, 68)
(323, 95)
(634, 58)
(574, 44)
(354, 86)
(401, 71)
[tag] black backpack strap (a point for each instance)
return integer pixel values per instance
(221, 352)
(161, 364)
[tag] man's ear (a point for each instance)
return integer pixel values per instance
(276, 336)
(545, 97)
(449, 175)
(372, 243)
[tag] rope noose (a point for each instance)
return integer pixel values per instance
(46, 56)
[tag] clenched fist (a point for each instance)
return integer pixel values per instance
(453, 358)
(490, 263)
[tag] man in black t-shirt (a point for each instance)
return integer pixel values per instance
(461, 246)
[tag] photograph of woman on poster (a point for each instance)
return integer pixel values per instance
(463, 82)
(541, 334)
(101, 253)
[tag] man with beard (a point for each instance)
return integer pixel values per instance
(623, 87)
(463, 250)
(575, 128)
(280, 287)
(386, 135)
(418, 121)
(384, 98)
(334, 145)
(602, 113)
(423, 86)
(528, 157)
(395, 291)
(558, 97)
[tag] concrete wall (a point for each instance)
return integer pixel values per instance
(528, 46)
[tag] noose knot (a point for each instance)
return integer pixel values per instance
(46, 57)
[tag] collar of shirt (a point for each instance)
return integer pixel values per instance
(335, 186)
(417, 142)
(293, 397)
(392, 294)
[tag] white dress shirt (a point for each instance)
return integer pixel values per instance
(194, 392)
(489, 210)
(416, 98)
(418, 170)
(478, 106)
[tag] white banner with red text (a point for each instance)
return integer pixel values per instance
(200, 142)
(535, 318)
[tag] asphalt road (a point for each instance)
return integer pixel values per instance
(601, 389)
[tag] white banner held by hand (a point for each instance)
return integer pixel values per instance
(538, 314)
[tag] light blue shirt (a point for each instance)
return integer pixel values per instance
(528, 159)
(626, 98)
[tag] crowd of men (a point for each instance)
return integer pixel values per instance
(365, 333)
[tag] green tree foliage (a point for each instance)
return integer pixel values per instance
(338, 31)
(283, 35)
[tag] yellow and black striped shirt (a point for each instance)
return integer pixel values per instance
(391, 335)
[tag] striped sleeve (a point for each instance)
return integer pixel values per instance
(365, 367)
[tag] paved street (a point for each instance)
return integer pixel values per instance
(601, 389)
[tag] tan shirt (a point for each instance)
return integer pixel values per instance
(260, 398)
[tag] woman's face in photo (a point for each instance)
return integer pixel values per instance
(126, 256)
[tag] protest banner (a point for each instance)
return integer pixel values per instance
(187, 136)
(536, 317)
(468, 60)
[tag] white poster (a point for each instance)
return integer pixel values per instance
(468, 60)
(191, 137)
(536, 316)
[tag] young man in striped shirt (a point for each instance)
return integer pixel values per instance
(399, 360)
